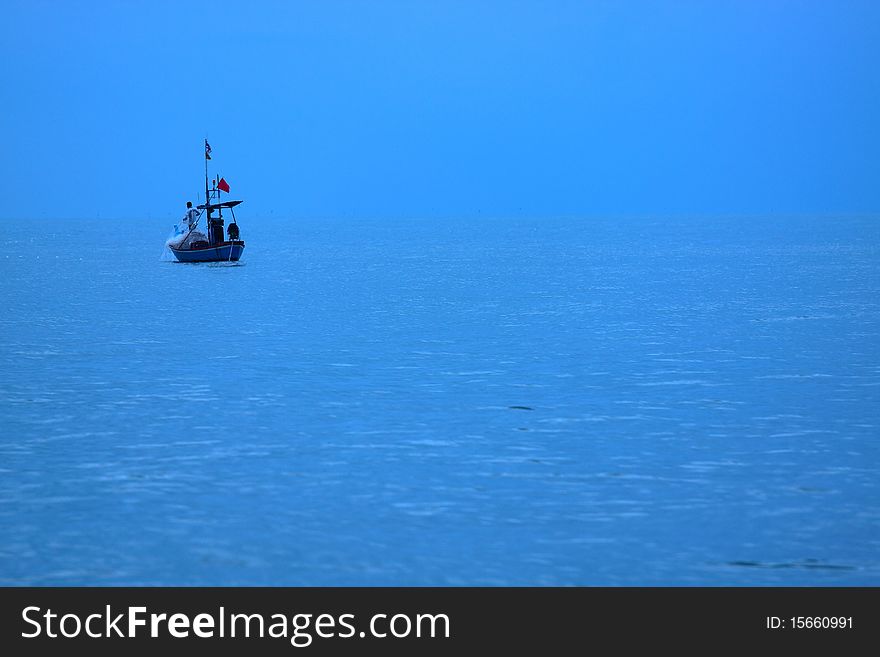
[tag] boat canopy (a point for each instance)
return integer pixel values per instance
(215, 206)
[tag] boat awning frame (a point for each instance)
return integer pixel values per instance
(217, 206)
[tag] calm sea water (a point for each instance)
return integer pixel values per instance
(607, 401)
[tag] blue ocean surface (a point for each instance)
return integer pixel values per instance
(605, 401)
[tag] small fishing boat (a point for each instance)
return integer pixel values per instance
(189, 244)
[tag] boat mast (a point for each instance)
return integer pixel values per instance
(207, 198)
(219, 199)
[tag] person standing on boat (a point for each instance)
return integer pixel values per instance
(191, 216)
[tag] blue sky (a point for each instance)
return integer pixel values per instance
(412, 109)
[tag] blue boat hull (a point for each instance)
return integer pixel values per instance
(223, 252)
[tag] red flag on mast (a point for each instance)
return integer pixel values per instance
(223, 186)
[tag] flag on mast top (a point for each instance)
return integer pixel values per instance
(207, 150)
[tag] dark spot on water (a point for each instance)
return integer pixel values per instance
(521, 429)
(810, 564)
(811, 489)
(521, 408)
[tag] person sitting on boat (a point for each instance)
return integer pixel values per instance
(191, 216)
